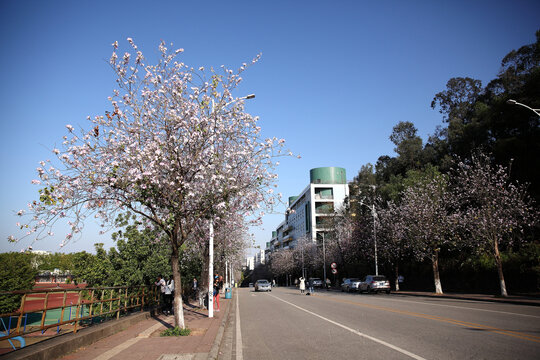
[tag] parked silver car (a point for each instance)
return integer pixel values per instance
(350, 284)
(263, 285)
(374, 283)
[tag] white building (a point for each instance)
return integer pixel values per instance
(309, 212)
(250, 263)
(259, 258)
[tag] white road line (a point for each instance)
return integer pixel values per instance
(239, 355)
(403, 351)
(464, 307)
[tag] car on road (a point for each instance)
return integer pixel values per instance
(374, 283)
(350, 284)
(316, 282)
(263, 285)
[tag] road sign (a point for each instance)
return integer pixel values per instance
(334, 271)
(333, 265)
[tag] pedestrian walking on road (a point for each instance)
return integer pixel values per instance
(311, 290)
(302, 285)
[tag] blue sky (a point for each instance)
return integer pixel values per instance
(334, 78)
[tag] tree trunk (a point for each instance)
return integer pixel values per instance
(397, 276)
(436, 277)
(178, 305)
(203, 280)
(498, 261)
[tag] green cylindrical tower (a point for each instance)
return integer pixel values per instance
(328, 175)
(292, 198)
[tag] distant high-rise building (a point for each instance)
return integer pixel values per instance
(259, 258)
(308, 213)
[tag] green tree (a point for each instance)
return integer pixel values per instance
(94, 269)
(141, 255)
(16, 273)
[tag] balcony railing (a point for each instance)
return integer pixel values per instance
(323, 197)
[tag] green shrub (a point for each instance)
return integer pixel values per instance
(176, 331)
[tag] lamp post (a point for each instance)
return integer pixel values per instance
(514, 102)
(303, 268)
(211, 235)
(324, 258)
(374, 215)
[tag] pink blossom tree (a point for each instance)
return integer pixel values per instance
(283, 262)
(496, 211)
(428, 210)
(393, 240)
(176, 148)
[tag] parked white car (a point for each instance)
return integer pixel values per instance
(351, 284)
(374, 283)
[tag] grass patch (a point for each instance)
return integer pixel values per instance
(176, 331)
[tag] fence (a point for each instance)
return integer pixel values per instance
(68, 310)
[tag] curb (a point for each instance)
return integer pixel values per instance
(214, 352)
(64, 344)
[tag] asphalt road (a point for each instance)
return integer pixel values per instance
(283, 324)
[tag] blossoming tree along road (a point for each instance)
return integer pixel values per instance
(162, 152)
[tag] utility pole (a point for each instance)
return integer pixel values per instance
(324, 258)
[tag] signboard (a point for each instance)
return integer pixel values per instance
(333, 265)
(334, 271)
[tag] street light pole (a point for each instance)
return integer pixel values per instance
(324, 258)
(514, 102)
(211, 269)
(374, 215)
(375, 238)
(303, 268)
(211, 236)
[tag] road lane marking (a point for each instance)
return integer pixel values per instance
(382, 342)
(239, 355)
(464, 307)
(493, 329)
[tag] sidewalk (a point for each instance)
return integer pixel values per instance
(137, 337)
(142, 340)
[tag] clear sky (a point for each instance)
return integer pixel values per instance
(334, 78)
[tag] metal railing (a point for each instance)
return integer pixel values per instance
(70, 309)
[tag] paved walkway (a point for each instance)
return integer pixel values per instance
(142, 340)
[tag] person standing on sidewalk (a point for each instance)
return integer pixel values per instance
(162, 285)
(302, 284)
(195, 288)
(169, 294)
(217, 288)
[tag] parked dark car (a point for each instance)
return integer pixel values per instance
(374, 283)
(351, 284)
